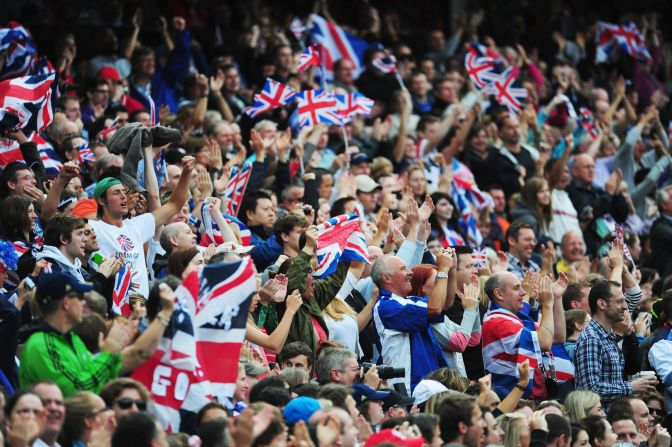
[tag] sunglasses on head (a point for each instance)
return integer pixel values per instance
(127, 403)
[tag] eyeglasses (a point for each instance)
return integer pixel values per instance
(127, 403)
(657, 411)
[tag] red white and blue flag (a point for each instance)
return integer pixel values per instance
(480, 69)
(309, 57)
(85, 155)
(274, 95)
(386, 64)
(50, 160)
(122, 286)
(353, 104)
(32, 99)
(109, 129)
(235, 188)
(335, 44)
(468, 197)
(505, 93)
(611, 37)
(585, 120)
(317, 106)
(197, 358)
(480, 257)
(19, 51)
(211, 228)
(297, 27)
(153, 113)
(339, 239)
(508, 340)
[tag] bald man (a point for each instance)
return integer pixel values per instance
(592, 202)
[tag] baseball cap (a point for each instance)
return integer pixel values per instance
(104, 185)
(54, 286)
(392, 436)
(358, 158)
(365, 183)
(426, 389)
(109, 74)
(396, 399)
(361, 393)
(300, 409)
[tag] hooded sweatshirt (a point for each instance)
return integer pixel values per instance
(60, 262)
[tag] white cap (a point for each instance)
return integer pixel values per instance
(426, 389)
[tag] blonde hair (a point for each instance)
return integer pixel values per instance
(434, 402)
(337, 309)
(579, 403)
(78, 407)
(510, 424)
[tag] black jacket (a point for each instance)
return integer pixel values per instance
(661, 245)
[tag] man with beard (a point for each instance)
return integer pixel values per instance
(598, 360)
(52, 398)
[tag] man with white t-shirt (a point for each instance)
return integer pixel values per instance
(564, 215)
(127, 236)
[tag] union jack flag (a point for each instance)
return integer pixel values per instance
(386, 64)
(466, 196)
(618, 234)
(50, 160)
(480, 257)
(85, 154)
(317, 106)
(31, 99)
(480, 50)
(153, 114)
(122, 285)
(245, 233)
(626, 37)
(211, 228)
(309, 57)
(353, 104)
(19, 49)
(585, 120)
(335, 44)
(339, 239)
(480, 70)
(235, 188)
(274, 95)
(197, 358)
(505, 93)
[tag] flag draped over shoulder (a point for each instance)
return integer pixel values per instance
(197, 358)
(339, 239)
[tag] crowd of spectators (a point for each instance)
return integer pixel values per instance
(540, 318)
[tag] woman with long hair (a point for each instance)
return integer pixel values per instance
(18, 218)
(415, 178)
(599, 431)
(452, 337)
(582, 403)
(444, 221)
(533, 206)
(516, 429)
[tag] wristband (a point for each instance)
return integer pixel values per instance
(163, 320)
(520, 387)
(443, 275)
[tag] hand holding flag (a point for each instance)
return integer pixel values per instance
(339, 238)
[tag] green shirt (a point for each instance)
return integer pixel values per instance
(64, 359)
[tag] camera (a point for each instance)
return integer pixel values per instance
(307, 209)
(385, 372)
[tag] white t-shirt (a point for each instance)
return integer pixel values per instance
(344, 331)
(564, 217)
(128, 240)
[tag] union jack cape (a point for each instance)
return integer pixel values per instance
(317, 106)
(31, 99)
(197, 358)
(508, 340)
(273, 95)
(339, 239)
(353, 104)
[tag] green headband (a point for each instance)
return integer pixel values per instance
(104, 185)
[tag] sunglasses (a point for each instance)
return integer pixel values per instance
(126, 403)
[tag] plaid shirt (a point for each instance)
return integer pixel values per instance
(519, 269)
(599, 363)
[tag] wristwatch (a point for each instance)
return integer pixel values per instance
(442, 275)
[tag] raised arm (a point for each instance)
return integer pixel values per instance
(276, 340)
(179, 196)
(546, 326)
(437, 298)
(50, 206)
